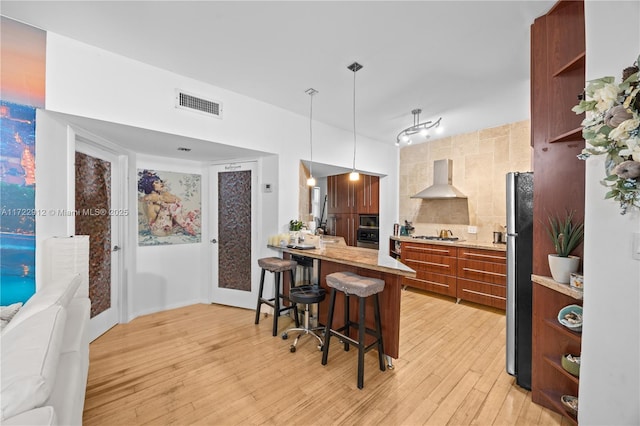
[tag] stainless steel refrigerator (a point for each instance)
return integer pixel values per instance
(519, 267)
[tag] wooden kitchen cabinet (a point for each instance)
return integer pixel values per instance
(344, 225)
(482, 276)
(435, 267)
(342, 194)
(368, 194)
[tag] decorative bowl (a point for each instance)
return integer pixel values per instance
(571, 317)
(571, 363)
(570, 403)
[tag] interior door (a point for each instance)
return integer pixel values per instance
(98, 214)
(233, 192)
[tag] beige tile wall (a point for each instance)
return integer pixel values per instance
(480, 162)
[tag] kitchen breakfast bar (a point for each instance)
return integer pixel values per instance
(335, 256)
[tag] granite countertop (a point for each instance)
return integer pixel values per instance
(338, 252)
(469, 244)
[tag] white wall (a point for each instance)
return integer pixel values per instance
(170, 276)
(85, 81)
(610, 374)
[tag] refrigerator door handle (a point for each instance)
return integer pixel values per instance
(511, 305)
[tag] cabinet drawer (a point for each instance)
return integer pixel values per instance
(437, 283)
(484, 293)
(418, 248)
(495, 256)
(430, 263)
(494, 273)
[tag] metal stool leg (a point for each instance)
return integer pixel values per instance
(260, 300)
(376, 311)
(327, 330)
(347, 320)
(361, 341)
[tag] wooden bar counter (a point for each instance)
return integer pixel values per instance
(338, 257)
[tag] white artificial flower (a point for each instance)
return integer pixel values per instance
(606, 96)
(621, 132)
(633, 148)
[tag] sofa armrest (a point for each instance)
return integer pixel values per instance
(36, 417)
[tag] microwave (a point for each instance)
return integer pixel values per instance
(368, 221)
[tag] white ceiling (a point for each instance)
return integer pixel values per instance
(464, 61)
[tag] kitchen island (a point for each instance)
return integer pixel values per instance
(336, 257)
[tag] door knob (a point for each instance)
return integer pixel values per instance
(116, 248)
(214, 241)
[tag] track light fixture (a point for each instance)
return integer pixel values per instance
(421, 128)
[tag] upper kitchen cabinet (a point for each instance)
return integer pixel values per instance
(346, 196)
(368, 194)
(341, 194)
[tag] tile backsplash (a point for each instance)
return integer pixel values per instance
(481, 161)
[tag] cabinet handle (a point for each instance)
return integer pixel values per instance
(428, 249)
(483, 294)
(466, 253)
(484, 272)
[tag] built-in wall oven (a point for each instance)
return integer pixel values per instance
(368, 231)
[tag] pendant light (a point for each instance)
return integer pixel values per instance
(354, 67)
(311, 181)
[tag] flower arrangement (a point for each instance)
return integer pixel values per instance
(565, 234)
(612, 127)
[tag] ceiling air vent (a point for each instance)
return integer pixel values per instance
(194, 103)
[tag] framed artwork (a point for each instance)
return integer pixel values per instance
(169, 206)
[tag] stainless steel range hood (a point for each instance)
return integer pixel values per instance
(442, 189)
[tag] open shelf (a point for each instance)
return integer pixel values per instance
(553, 323)
(570, 136)
(555, 363)
(575, 63)
(553, 398)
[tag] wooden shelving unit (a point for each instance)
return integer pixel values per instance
(557, 80)
(551, 341)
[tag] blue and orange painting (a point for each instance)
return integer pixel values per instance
(17, 202)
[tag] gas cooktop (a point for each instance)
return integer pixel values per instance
(435, 237)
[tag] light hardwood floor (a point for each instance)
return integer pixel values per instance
(209, 364)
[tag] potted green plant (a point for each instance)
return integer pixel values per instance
(566, 234)
(295, 226)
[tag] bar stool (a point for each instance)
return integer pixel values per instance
(277, 266)
(307, 295)
(352, 284)
(306, 264)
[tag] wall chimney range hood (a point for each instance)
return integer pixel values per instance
(442, 189)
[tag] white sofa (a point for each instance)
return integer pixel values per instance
(45, 355)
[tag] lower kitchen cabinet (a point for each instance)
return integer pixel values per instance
(482, 276)
(478, 275)
(435, 267)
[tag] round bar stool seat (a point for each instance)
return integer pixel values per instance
(307, 295)
(277, 266)
(352, 284)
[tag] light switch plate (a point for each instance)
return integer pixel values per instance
(472, 229)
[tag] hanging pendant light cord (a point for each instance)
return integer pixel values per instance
(354, 121)
(311, 136)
